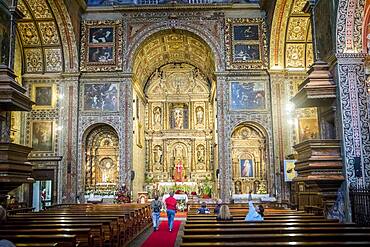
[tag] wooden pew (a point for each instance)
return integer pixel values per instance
(65, 240)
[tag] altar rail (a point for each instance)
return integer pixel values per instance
(360, 204)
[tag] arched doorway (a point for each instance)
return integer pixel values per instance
(248, 151)
(174, 114)
(101, 160)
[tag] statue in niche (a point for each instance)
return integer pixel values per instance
(178, 116)
(157, 115)
(200, 115)
(179, 171)
(200, 154)
(106, 170)
(238, 187)
(157, 155)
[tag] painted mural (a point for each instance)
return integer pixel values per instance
(247, 95)
(101, 97)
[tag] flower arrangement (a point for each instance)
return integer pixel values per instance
(122, 196)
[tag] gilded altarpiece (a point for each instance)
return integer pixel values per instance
(248, 160)
(179, 123)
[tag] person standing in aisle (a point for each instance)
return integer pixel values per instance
(171, 210)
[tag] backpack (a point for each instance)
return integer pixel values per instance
(157, 207)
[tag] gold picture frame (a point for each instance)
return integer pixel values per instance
(44, 95)
(246, 46)
(42, 136)
(101, 45)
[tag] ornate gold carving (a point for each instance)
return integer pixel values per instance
(295, 55)
(309, 55)
(49, 33)
(22, 7)
(168, 47)
(298, 6)
(33, 58)
(297, 29)
(249, 51)
(29, 33)
(40, 9)
(53, 58)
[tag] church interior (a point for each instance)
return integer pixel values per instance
(105, 104)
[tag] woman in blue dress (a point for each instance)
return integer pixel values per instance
(254, 214)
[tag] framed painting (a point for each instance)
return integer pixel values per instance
(100, 97)
(101, 47)
(4, 35)
(246, 168)
(308, 129)
(44, 95)
(42, 136)
(289, 172)
(179, 116)
(247, 96)
(246, 46)
(245, 32)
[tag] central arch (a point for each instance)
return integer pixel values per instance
(174, 87)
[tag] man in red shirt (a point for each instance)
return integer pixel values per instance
(171, 210)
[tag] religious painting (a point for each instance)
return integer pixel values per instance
(246, 167)
(308, 129)
(246, 46)
(107, 171)
(101, 35)
(44, 95)
(4, 35)
(179, 116)
(101, 45)
(246, 32)
(247, 95)
(289, 172)
(244, 52)
(157, 116)
(100, 97)
(101, 54)
(42, 136)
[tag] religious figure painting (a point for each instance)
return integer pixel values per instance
(100, 44)
(4, 37)
(42, 136)
(246, 167)
(289, 172)
(199, 115)
(101, 35)
(43, 96)
(247, 95)
(157, 116)
(179, 116)
(308, 129)
(101, 97)
(101, 54)
(246, 52)
(246, 32)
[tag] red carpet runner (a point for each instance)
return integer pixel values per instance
(163, 237)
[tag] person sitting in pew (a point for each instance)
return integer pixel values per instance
(224, 213)
(216, 210)
(6, 243)
(203, 209)
(254, 214)
(3, 216)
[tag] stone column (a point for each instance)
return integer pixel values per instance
(223, 135)
(126, 136)
(354, 115)
(355, 118)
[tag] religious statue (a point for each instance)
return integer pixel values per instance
(200, 154)
(199, 115)
(179, 170)
(107, 170)
(157, 155)
(157, 115)
(178, 115)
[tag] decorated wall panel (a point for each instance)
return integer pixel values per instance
(246, 45)
(101, 46)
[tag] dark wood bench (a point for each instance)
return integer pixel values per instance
(65, 240)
